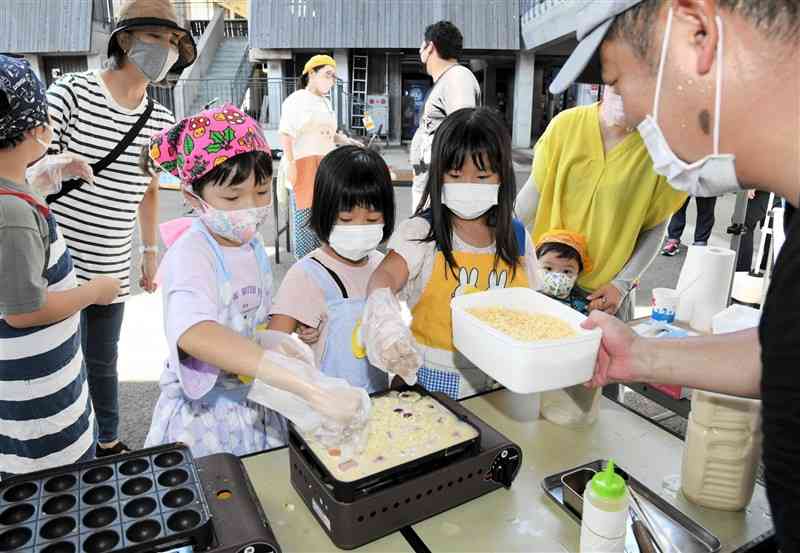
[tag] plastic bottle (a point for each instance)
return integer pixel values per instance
(605, 513)
(723, 447)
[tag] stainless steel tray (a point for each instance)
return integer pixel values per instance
(685, 534)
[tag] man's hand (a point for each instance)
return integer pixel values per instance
(616, 360)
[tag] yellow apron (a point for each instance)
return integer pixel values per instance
(432, 323)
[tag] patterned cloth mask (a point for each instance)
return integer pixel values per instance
(238, 225)
(557, 285)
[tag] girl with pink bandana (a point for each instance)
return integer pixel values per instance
(216, 284)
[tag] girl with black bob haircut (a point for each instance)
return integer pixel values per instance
(464, 240)
(322, 296)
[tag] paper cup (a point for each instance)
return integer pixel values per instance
(664, 304)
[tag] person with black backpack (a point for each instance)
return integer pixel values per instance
(106, 117)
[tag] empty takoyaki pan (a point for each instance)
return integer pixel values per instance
(125, 504)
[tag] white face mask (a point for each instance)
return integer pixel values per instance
(712, 175)
(355, 242)
(470, 200)
(557, 285)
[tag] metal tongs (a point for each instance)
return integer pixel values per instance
(648, 534)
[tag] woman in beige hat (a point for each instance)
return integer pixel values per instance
(93, 113)
(308, 132)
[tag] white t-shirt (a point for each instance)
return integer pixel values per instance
(456, 88)
(190, 291)
(98, 222)
(311, 121)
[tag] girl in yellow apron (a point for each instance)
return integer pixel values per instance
(467, 241)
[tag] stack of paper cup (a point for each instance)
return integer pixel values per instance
(665, 304)
(704, 284)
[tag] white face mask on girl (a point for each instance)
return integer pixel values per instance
(470, 200)
(240, 225)
(712, 175)
(557, 285)
(355, 242)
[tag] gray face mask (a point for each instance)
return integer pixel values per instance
(153, 60)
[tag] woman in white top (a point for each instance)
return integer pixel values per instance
(308, 132)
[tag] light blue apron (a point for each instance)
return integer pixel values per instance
(344, 314)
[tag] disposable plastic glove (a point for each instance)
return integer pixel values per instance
(388, 341)
(288, 382)
(46, 175)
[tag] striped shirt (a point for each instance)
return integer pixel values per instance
(46, 416)
(98, 224)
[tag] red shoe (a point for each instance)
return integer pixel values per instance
(671, 247)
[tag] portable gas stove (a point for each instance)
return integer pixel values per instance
(239, 524)
(356, 513)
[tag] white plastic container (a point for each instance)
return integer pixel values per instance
(735, 318)
(722, 450)
(524, 367)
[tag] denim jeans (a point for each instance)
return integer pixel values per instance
(705, 220)
(100, 329)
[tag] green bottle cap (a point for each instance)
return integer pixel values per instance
(608, 484)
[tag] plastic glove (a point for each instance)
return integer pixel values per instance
(388, 341)
(288, 382)
(46, 175)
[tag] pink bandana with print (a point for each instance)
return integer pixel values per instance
(198, 144)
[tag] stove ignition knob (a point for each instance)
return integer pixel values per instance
(505, 466)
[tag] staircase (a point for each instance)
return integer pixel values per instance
(226, 78)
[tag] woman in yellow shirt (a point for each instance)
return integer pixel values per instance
(592, 175)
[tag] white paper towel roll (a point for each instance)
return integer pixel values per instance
(712, 269)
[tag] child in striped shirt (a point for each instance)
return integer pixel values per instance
(46, 417)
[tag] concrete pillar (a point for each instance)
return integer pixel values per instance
(342, 57)
(37, 64)
(395, 100)
(490, 85)
(539, 96)
(523, 99)
(275, 92)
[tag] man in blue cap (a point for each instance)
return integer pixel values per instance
(46, 417)
(713, 86)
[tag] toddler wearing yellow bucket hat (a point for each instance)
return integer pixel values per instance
(563, 255)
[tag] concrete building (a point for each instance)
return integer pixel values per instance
(56, 36)
(375, 44)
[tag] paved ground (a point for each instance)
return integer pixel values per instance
(143, 348)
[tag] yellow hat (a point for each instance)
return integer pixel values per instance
(319, 60)
(571, 239)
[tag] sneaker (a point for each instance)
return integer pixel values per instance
(118, 449)
(671, 247)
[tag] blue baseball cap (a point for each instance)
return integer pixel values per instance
(594, 20)
(25, 95)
